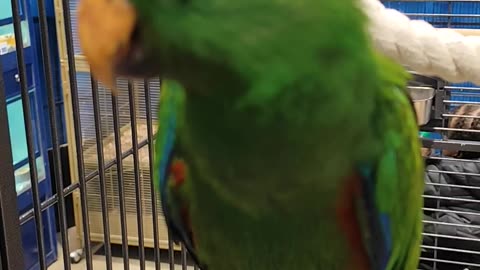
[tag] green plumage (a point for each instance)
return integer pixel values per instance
(283, 101)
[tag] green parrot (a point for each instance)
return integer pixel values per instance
(284, 140)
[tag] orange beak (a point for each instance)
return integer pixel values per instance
(105, 29)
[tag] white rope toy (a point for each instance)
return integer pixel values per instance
(444, 53)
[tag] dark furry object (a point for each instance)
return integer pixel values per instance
(464, 123)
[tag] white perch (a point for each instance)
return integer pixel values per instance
(451, 54)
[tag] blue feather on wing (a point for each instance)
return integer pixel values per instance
(378, 224)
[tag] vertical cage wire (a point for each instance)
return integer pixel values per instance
(136, 169)
(148, 115)
(101, 174)
(121, 191)
(29, 134)
(48, 77)
(11, 255)
(78, 144)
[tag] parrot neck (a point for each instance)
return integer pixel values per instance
(197, 74)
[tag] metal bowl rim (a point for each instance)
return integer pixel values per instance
(421, 87)
(424, 99)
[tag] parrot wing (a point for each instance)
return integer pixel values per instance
(382, 232)
(171, 171)
(399, 180)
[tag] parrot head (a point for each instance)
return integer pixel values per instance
(108, 38)
(142, 38)
(116, 38)
(121, 37)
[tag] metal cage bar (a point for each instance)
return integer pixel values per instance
(11, 254)
(78, 136)
(119, 161)
(101, 175)
(148, 115)
(29, 133)
(136, 171)
(47, 67)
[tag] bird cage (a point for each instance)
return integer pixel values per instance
(94, 188)
(451, 141)
(452, 156)
(131, 103)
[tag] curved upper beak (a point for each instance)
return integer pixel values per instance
(105, 30)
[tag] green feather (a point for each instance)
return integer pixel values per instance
(400, 174)
(170, 109)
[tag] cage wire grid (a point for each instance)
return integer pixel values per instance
(110, 157)
(451, 224)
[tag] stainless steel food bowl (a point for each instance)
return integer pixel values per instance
(422, 100)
